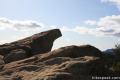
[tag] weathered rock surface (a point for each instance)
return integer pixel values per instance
(1, 62)
(57, 68)
(61, 64)
(15, 55)
(38, 43)
(31, 59)
(73, 52)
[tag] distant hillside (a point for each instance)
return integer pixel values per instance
(109, 51)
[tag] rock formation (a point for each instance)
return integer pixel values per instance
(38, 43)
(31, 59)
(73, 52)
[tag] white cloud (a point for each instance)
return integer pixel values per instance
(90, 22)
(105, 26)
(109, 25)
(83, 30)
(64, 29)
(19, 25)
(115, 2)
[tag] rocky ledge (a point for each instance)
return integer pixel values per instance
(32, 59)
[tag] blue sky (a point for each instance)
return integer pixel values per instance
(94, 22)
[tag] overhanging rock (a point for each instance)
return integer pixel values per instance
(36, 44)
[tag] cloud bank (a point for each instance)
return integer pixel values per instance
(109, 25)
(105, 26)
(18, 25)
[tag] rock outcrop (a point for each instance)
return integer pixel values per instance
(73, 52)
(31, 59)
(57, 68)
(38, 43)
(66, 63)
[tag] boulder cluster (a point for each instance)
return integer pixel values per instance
(32, 59)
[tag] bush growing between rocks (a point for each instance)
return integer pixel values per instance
(116, 64)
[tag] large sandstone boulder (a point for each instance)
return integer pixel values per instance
(73, 52)
(36, 44)
(43, 42)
